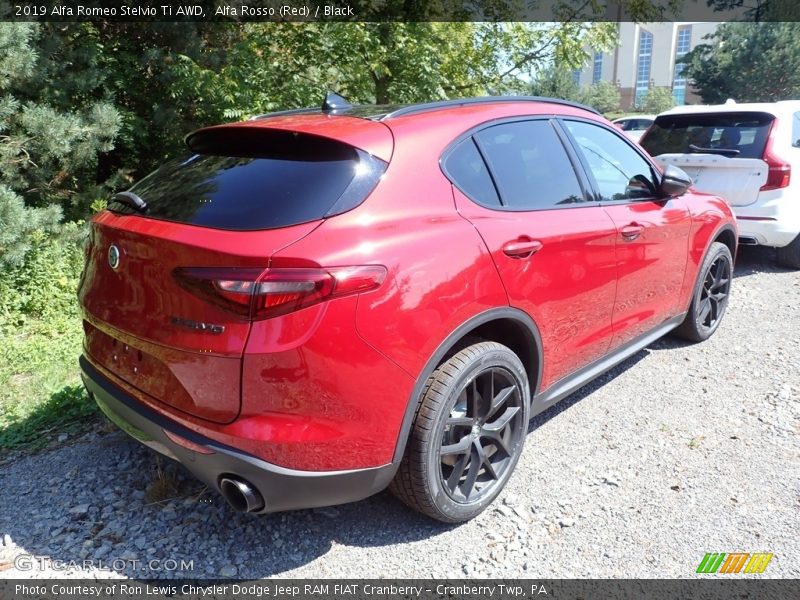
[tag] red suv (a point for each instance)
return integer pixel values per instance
(315, 305)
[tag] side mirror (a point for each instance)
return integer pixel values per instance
(674, 182)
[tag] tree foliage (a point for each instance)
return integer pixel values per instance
(749, 62)
(90, 107)
(657, 99)
(555, 82)
(47, 155)
(603, 95)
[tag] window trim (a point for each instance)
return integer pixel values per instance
(574, 159)
(656, 170)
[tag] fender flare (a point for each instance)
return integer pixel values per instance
(711, 239)
(449, 342)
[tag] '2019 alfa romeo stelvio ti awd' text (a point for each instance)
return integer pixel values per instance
(314, 305)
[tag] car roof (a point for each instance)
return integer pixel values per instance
(367, 126)
(385, 112)
(774, 108)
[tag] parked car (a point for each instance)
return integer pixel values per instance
(745, 153)
(312, 306)
(634, 126)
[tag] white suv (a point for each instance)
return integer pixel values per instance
(744, 153)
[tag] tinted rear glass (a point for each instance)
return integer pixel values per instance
(260, 179)
(685, 134)
(467, 170)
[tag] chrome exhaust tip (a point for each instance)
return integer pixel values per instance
(747, 240)
(240, 494)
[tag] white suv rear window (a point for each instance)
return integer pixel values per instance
(744, 133)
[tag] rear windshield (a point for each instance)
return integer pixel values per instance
(690, 134)
(259, 179)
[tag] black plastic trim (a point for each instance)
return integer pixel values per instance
(281, 488)
(713, 238)
(494, 314)
(429, 106)
(571, 383)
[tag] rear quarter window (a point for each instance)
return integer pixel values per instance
(690, 133)
(257, 179)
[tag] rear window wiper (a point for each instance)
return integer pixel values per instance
(729, 152)
(130, 199)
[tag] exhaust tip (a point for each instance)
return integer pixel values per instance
(747, 240)
(240, 494)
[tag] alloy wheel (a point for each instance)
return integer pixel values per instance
(714, 295)
(483, 431)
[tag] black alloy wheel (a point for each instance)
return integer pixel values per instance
(711, 295)
(484, 425)
(468, 433)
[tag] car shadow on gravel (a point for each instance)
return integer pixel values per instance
(587, 390)
(109, 499)
(751, 260)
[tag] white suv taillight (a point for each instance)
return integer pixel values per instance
(780, 171)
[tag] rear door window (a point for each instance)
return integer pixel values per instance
(260, 179)
(530, 165)
(743, 134)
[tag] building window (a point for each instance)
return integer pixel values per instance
(597, 71)
(643, 67)
(682, 46)
(576, 77)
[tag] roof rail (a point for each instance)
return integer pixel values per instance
(418, 108)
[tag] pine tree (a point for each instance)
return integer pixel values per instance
(46, 154)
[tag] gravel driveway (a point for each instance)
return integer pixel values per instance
(681, 450)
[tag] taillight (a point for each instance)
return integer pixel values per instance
(780, 171)
(266, 293)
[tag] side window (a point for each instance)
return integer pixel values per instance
(530, 165)
(620, 172)
(468, 172)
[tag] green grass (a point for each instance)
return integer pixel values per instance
(41, 395)
(40, 390)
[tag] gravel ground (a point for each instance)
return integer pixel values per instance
(679, 451)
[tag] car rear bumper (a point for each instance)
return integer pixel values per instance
(774, 220)
(210, 461)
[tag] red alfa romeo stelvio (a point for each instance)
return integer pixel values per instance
(314, 305)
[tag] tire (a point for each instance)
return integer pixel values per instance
(710, 297)
(463, 448)
(789, 256)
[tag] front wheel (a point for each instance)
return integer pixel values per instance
(711, 295)
(468, 434)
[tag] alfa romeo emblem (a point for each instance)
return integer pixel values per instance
(113, 256)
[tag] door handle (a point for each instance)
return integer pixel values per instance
(631, 232)
(522, 248)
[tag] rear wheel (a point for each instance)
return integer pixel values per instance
(468, 434)
(711, 294)
(789, 256)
